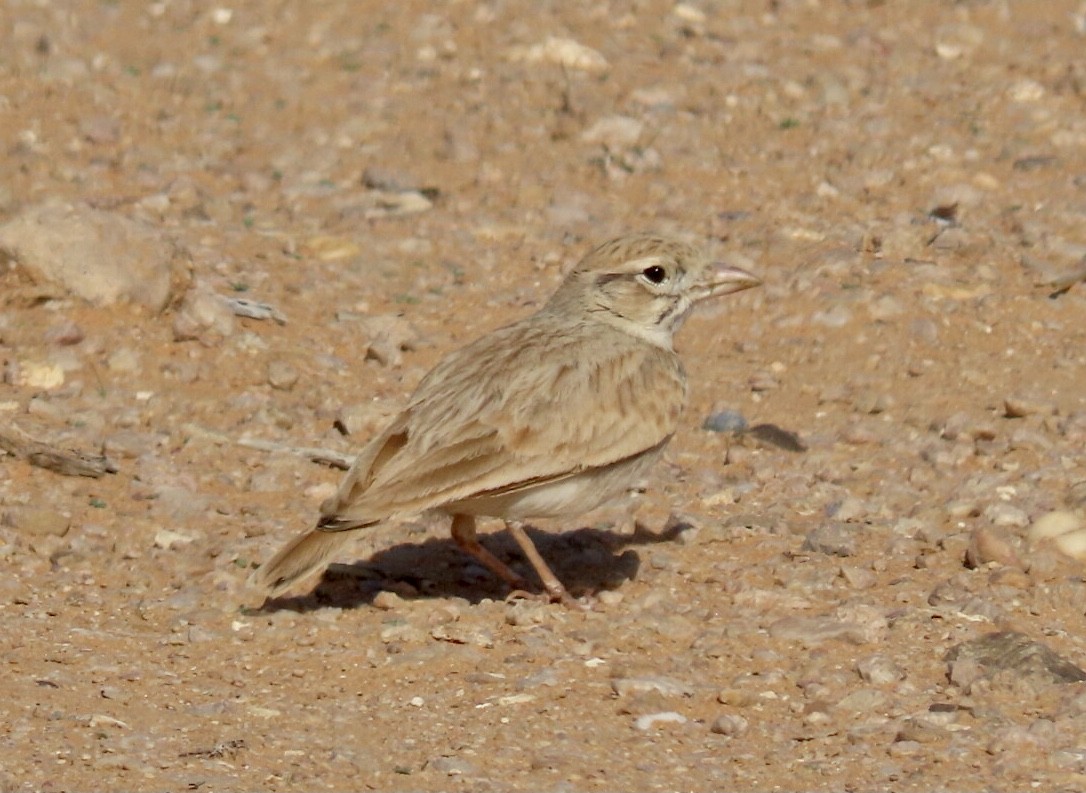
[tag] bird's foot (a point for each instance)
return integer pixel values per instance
(562, 597)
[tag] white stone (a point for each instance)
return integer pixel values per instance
(614, 132)
(650, 720)
(168, 540)
(41, 376)
(562, 52)
(101, 257)
(1055, 523)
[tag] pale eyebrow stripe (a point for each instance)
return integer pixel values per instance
(606, 278)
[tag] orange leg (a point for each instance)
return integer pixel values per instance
(463, 534)
(555, 590)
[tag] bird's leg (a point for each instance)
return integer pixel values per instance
(550, 581)
(463, 534)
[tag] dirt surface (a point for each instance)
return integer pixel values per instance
(396, 179)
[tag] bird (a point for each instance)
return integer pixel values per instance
(545, 418)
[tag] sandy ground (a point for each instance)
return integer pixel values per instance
(397, 179)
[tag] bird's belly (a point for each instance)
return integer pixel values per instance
(565, 497)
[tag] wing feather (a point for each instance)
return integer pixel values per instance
(471, 427)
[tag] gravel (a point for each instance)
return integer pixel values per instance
(857, 566)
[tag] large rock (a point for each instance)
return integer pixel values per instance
(1011, 652)
(99, 256)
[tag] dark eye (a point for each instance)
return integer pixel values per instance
(656, 274)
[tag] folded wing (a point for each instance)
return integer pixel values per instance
(468, 429)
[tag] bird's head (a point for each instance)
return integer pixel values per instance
(647, 284)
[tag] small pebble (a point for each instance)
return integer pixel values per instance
(1019, 406)
(873, 403)
(1073, 544)
(389, 336)
(661, 561)
(1012, 577)
(730, 724)
(42, 406)
(100, 129)
(624, 686)
(924, 330)
(986, 546)
(859, 435)
(197, 633)
(128, 444)
(650, 720)
(879, 670)
(1026, 438)
(921, 730)
(1076, 494)
(452, 766)
(361, 418)
(563, 52)
(463, 633)
(124, 361)
(203, 315)
(737, 455)
(168, 539)
(904, 748)
(544, 677)
(1006, 515)
(1012, 739)
(64, 333)
(381, 177)
(399, 632)
(36, 521)
(836, 317)
(1053, 524)
(763, 381)
(281, 375)
(610, 597)
(387, 601)
(964, 672)
(957, 40)
(832, 539)
(725, 421)
(885, 308)
(737, 697)
(863, 700)
(858, 577)
(615, 133)
(654, 98)
(525, 613)
(815, 630)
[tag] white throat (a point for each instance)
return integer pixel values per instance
(656, 335)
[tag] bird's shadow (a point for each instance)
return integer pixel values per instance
(586, 560)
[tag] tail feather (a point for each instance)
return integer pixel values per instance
(306, 554)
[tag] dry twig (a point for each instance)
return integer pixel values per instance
(67, 462)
